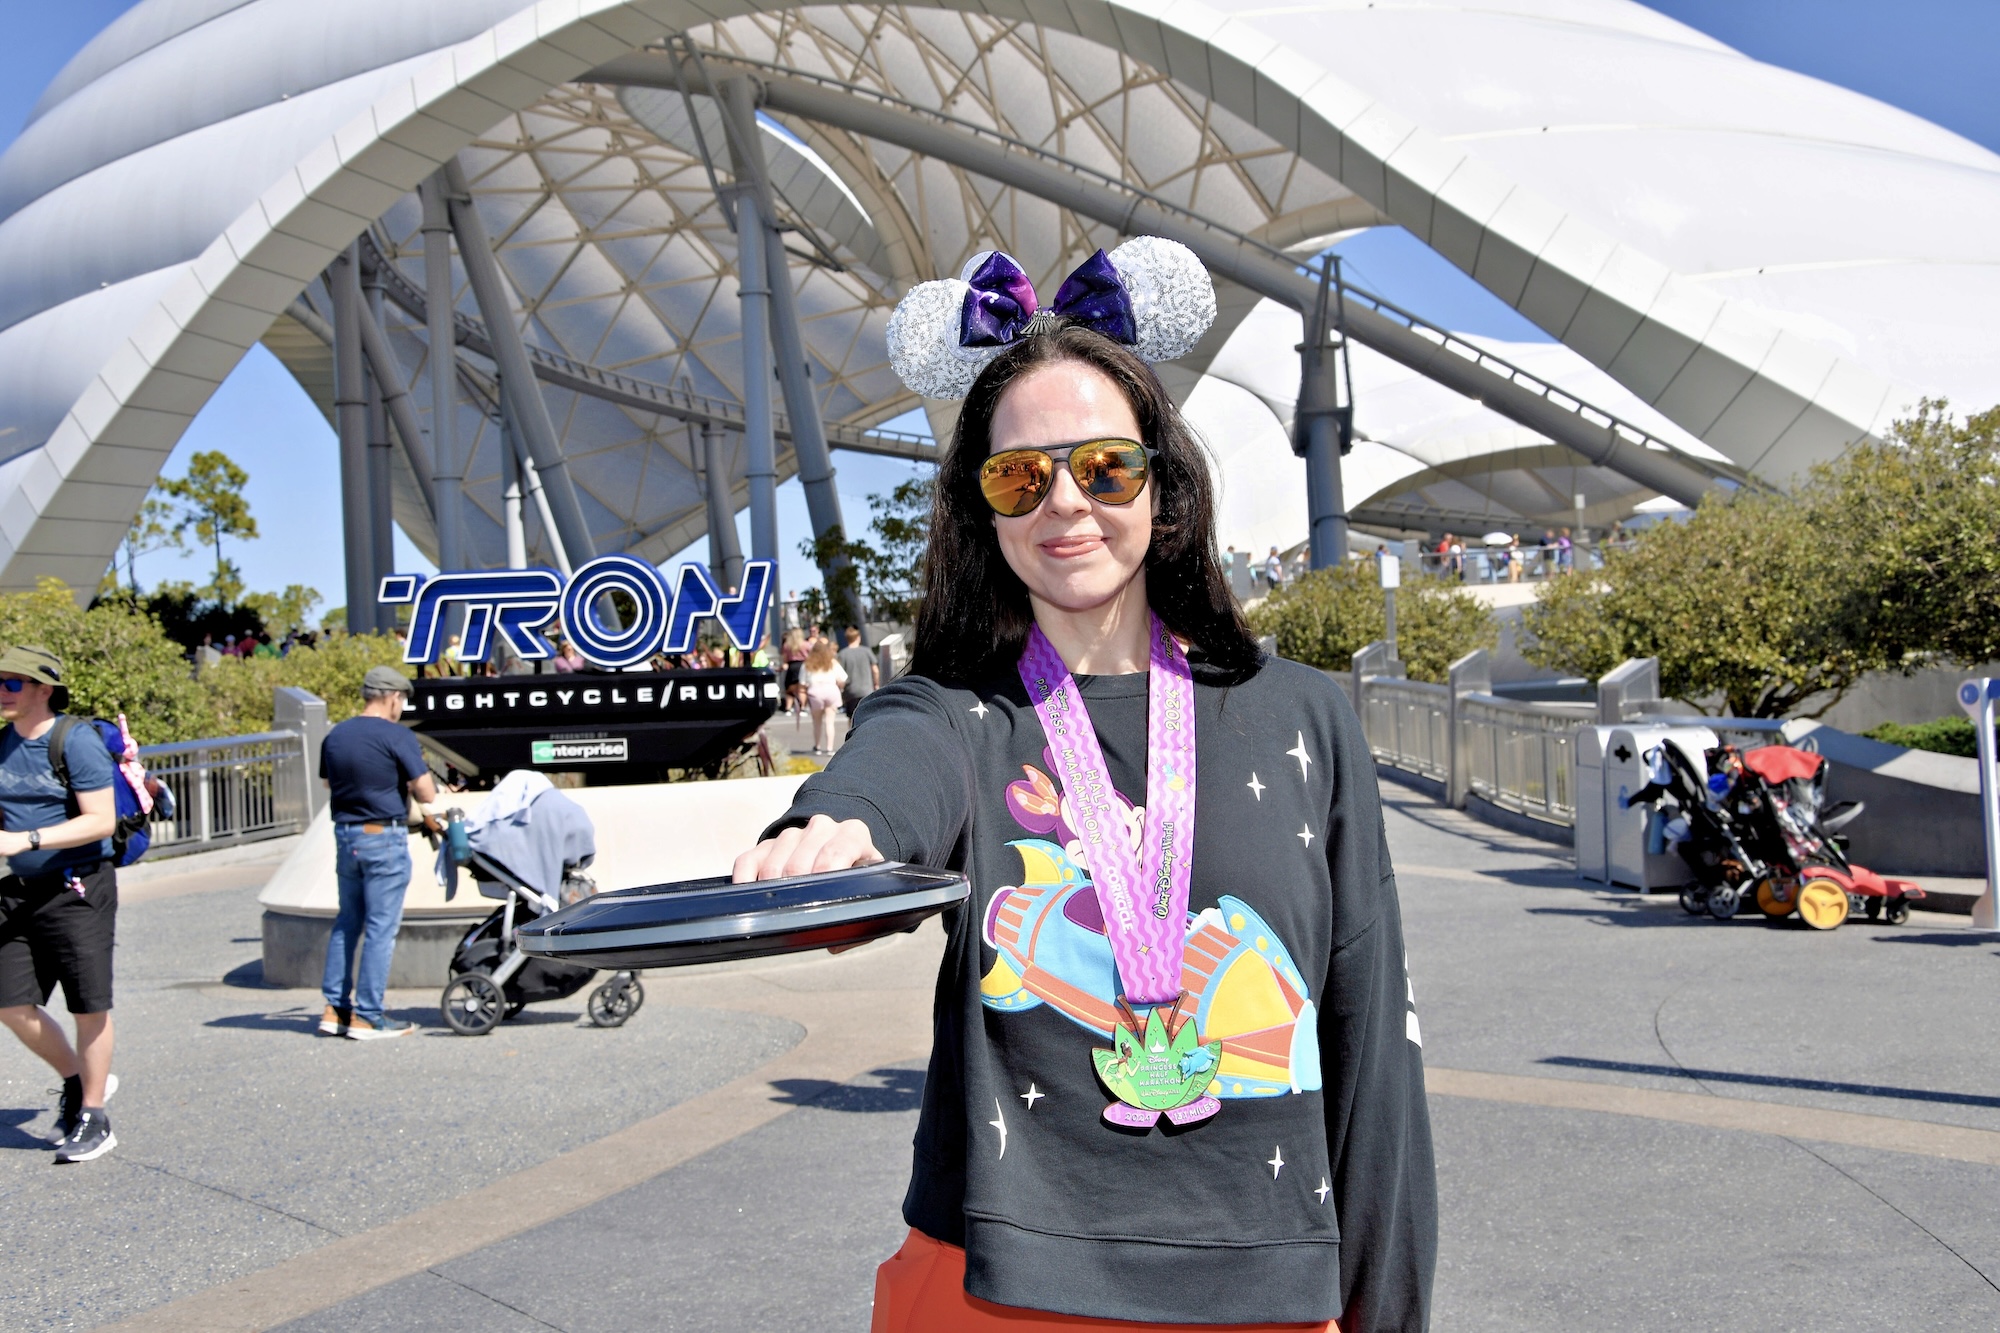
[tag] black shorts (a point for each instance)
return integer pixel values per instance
(49, 933)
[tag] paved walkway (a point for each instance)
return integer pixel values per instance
(1644, 1121)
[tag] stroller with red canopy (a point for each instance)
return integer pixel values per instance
(1757, 826)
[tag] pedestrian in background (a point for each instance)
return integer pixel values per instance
(824, 680)
(1274, 570)
(59, 900)
(863, 675)
(369, 762)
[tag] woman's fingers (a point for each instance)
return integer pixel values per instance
(821, 844)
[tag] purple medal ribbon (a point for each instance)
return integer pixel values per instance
(1144, 896)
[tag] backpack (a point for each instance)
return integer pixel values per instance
(129, 839)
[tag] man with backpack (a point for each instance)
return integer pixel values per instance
(59, 899)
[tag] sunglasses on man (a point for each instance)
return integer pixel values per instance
(14, 684)
(1112, 472)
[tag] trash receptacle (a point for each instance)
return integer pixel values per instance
(1634, 859)
(1587, 789)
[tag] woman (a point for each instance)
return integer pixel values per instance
(823, 679)
(1265, 1158)
(793, 653)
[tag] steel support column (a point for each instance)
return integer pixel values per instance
(1320, 422)
(759, 445)
(446, 472)
(517, 376)
(746, 153)
(531, 484)
(511, 496)
(396, 395)
(350, 413)
(725, 552)
(381, 506)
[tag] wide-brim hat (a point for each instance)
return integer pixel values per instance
(38, 664)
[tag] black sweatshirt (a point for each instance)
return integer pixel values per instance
(1311, 1195)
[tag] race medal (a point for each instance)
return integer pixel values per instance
(1161, 1065)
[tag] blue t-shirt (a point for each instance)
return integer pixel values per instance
(366, 760)
(31, 798)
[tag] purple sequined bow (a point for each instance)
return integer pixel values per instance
(1002, 301)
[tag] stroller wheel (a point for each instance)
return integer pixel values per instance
(1694, 901)
(1822, 903)
(1774, 900)
(1897, 911)
(1723, 902)
(473, 1004)
(616, 1001)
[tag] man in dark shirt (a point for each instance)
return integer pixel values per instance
(369, 762)
(59, 900)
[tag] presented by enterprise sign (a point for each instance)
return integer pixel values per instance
(516, 603)
(609, 750)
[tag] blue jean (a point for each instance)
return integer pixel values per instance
(374, 873)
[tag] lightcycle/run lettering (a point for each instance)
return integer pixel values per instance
(518, 602)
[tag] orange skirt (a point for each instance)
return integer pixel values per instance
(921, 1289)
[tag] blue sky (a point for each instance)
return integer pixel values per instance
(1931, 57)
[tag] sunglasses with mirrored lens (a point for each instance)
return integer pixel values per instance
(1111, 472)
(12, 684)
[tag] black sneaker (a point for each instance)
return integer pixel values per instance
(69, 1108)
(71, 1104)
(91, 1138)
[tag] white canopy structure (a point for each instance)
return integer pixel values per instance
(1681, 218)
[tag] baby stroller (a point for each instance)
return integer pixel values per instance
(529, 824)
(1756, 824)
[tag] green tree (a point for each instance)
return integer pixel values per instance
(154, 528)
(210, 500)
(1773, 605)
(1917, 516)
(842, 562)
(1325, 617)
(894, 563)
(1741, 604)
(284, 611)
(116, 659)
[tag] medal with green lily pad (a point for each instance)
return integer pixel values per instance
(1158, 1067)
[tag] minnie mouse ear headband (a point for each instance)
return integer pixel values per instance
(1151, 294)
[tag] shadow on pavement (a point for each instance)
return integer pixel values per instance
(899, 1090)
(1777, 1081)
(1626, 914)
(1948, 939)
(11, 1133)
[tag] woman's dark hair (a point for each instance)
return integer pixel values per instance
(975, 616)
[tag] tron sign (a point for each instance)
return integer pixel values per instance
(518, 602)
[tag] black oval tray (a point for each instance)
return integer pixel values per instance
(707, 920)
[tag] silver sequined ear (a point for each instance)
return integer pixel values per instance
(923, 341)
(1173, 302)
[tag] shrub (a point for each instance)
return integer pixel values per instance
(1883, 559)
(116, 659)
(239, 689)
(1325, 617)
(1944, 735)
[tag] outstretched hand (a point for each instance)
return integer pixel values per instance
(822, 844)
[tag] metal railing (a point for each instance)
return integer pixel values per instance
(1406, 724)
(230, 790)
(1518, 754)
